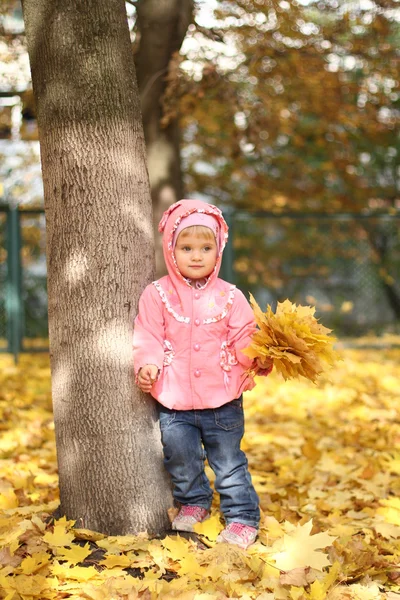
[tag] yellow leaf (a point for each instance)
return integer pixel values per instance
(8, 499)
(38, 523)
(32, 564)
(387, 530)
(296, 593)
(211, 528)
(189, 565)
(44, 479)
(29, 586)
(319, 588)
(65, 571)
(366, 592)
(176, 546)
(114, 544)
(87, 534)
(390, 511)
(300, 549)
(293, 338)
(317, 591)
(116, 561)
(60, 536)
(75, 554)
(273, 527)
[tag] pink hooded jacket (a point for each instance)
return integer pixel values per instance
(194, 336)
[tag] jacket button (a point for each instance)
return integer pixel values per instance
(197, 322)
(197, 295)
(196, 347)
(197, 373)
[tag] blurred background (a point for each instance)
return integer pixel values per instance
(284, 114)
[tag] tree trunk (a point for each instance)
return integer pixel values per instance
(100, 256)
(162, 26)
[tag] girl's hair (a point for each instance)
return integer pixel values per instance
(198, 231)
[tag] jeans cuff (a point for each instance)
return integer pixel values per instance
(248, 522)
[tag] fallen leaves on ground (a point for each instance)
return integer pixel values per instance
(325, 461)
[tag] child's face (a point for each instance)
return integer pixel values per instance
(195, 255)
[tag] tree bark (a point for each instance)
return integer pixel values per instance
(162, 26)
(100, 255)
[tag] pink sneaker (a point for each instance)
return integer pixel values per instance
(189, 516)
(238, 534)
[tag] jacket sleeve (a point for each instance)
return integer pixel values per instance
(148, 334)
(241, 326)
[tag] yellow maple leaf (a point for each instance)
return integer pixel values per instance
(11, 538)
(293, 338)
(301, 549)
(211, 528)
(44, 479)
(28, 586)
(390, 510)
(75, 554)
(158, 554)
(189, 565)
(88, 534)
(366, 592)
(116, 561)
(59, 536)
(114, 544)
(8, 499)
(37, 521)
(387, 530)
(319, 588)
(176, 546)
(65, 571)
(32, 564)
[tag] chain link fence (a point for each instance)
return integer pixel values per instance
(33, 280)
(347, 266)
(23, 291)
(3, 282)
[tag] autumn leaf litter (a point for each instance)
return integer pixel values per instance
(325, 463)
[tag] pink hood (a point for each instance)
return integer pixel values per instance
(170, 222)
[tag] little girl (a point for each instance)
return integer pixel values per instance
(188, 337)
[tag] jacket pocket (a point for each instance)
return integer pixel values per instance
(229, 416)
(227, 360)
(168, 353)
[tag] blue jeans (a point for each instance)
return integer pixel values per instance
(191, 436)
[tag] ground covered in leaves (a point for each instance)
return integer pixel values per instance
(325, 460)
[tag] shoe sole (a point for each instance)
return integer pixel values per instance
(243, 546)
(187, 528)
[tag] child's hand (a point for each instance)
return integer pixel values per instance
(146, 377)
(265, 363)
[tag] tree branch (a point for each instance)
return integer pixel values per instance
(211, 33)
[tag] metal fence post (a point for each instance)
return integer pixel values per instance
(14, 287)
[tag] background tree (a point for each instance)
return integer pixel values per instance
(161, 27)
(281, 106)
(300, 116)
(100, 257)
(303, 117)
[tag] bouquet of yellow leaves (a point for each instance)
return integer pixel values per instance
(293, 338)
